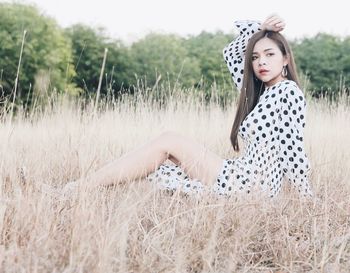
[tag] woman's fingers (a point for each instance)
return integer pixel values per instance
(268, 22)
(274, 23)
(270, 18)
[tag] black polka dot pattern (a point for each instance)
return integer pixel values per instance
(273, 135)
(234, 52)
(273, 131)
(172, 177)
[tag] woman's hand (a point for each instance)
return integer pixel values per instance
(273, 23)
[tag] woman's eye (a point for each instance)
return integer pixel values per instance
(254, 58)
(270, 54)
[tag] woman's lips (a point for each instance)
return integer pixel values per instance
(263, 71)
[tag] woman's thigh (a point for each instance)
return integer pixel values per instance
(196, 160)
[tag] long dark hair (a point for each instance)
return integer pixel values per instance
(252, 87)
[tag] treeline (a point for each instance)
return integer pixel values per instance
(69, 60)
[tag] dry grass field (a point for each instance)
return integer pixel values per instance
(138, 228)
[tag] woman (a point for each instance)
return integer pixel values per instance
(270, 119)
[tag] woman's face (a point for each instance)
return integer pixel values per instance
(268, 61)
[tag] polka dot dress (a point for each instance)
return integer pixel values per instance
(272, 134)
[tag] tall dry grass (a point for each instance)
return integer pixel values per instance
(137, 228)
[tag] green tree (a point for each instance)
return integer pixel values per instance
(88, 46)
(164, 56)
(323, 58)
(207, 49)
(46, 61)
(345, 62)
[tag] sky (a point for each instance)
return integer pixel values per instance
(130, 20)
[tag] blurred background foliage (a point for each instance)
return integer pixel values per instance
(58, 60)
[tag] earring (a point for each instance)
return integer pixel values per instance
(284, 71)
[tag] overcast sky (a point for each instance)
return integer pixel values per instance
(131, 19)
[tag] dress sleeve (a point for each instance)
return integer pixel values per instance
(291, 120)
(234, 52)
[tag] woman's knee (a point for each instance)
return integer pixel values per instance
(168, 134)
(167, 140)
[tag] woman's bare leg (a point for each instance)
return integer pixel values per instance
(195, 159)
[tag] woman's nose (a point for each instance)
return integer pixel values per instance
(262, 62)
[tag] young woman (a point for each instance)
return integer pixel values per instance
(270, 119)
